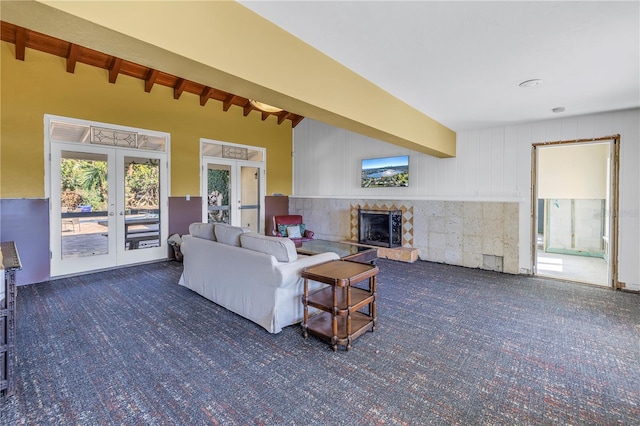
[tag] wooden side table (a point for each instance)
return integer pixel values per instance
(341, 319)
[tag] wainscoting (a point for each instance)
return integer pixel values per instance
(465, 233)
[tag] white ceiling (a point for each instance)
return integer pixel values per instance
(461, 62)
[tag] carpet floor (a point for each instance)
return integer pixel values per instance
(452, 346)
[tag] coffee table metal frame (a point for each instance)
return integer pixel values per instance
(346, 251)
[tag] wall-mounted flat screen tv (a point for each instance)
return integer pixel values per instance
(385, 172)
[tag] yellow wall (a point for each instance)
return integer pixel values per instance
(223, 44)
(40, 85)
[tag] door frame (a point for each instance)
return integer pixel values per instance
(235, 188)
(117, 255)
(612, 279)
(235, 177)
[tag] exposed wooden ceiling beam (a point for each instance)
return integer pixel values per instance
(179, 88)
(207, 92)
(114, 69)
(226, 104)
(74, 53)
(72, 57)
(295, 119)
(152, 76)
(247, 108)
(21, 43)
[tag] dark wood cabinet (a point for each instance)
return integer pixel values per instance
(11, 263)
(274, 205)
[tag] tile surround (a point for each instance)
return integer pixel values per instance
(453, 232)
(407, 220)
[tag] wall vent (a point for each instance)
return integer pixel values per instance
(492, 263)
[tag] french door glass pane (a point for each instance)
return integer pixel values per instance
(142, 203)
(218, 184)
(83, 201)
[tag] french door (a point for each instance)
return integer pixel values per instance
(108, 207)
(233, 183)
(233, 191)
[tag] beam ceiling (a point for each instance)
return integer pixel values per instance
(227, 46)
(73, 53)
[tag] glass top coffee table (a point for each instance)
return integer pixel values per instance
(346, 251)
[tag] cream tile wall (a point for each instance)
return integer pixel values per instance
(452, 232)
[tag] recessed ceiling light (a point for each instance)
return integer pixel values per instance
(558, 109)
(531, 83)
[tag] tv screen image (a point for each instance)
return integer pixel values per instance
(385, 172)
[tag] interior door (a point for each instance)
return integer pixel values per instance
(106, 207)
(233, 193)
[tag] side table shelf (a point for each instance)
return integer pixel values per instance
(10, 264)
(341, 319)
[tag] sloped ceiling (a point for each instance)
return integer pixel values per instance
(460, 62)
(406, 72)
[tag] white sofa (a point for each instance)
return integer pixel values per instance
(255, 276)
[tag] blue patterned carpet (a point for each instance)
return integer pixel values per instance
(452, 346)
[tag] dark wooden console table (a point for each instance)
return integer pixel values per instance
(341, 319)
(11, 263)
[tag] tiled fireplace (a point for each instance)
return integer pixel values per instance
(381, 228)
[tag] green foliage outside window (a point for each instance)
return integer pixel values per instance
(85, 182)
(218, 180)
(142, 184)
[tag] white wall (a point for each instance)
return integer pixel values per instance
(491, 165)
(573, 171)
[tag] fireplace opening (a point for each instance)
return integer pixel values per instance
(380, 227)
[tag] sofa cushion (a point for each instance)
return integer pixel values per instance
(228, 234)
(283, 249)
(202, 230)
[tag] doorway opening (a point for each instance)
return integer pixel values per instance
(574, 196)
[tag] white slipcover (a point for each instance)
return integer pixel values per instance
(250, 283)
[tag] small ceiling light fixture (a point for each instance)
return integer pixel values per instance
(264, 107)
(531, 83)
(558, 109)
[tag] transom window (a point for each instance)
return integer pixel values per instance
(115, 137)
